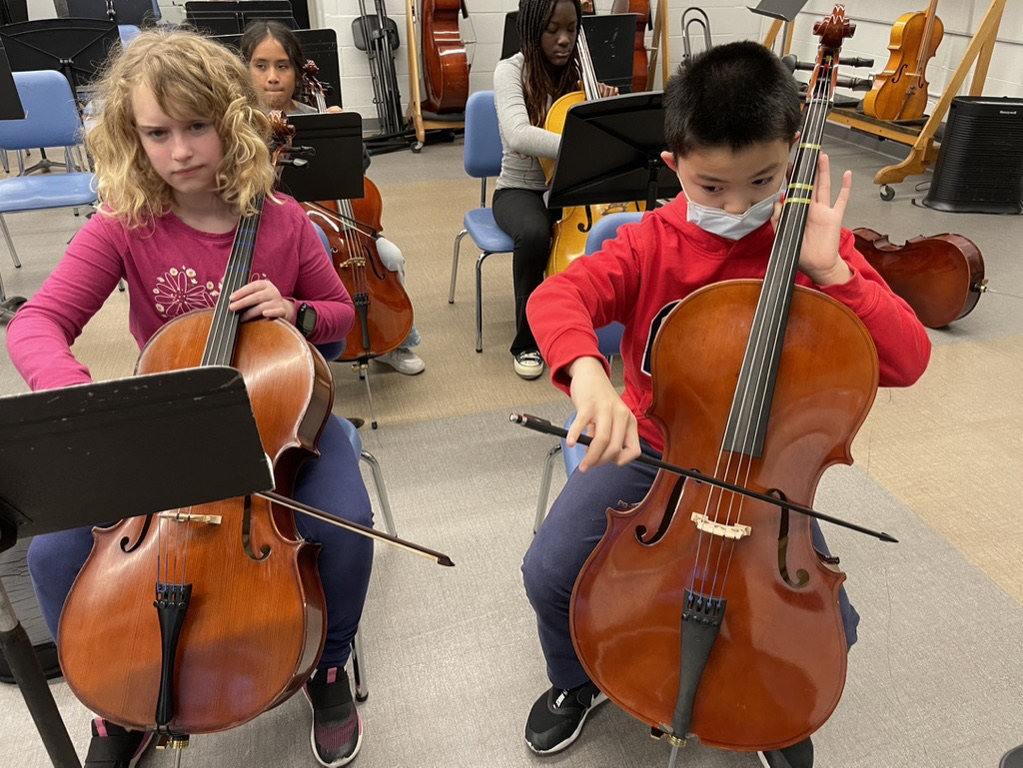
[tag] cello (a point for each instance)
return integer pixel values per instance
(568, 237)
(445, 65)
(696, 610)
(239, 619)
(941, 277)
(383, 310)
(900, 91)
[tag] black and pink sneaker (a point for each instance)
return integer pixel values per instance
(114, 747)
(337, 728)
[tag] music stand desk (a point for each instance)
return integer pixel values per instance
(89, 454)
(611, 153)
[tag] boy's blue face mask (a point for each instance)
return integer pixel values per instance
(730, 225)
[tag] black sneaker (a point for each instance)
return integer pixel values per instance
(557, 717)
(114, 747)
(799, 755)
(337, 729)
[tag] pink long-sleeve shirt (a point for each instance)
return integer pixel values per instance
(170, 269)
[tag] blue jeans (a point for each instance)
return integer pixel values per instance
(573, 528)
(332, 483)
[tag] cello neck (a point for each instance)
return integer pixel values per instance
(747, 420)
(220, 343)
(587, 74)
(924, 51)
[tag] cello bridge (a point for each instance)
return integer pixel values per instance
(189, 517)
(351, 263)
(706, 525)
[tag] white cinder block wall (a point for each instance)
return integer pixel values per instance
(729, 20)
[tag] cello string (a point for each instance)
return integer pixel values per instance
(771, 322)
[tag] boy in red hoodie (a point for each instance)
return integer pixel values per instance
(731, 118)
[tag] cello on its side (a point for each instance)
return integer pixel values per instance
(941, 277)
(707, 613)
(445, 64)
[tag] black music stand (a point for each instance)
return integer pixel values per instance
(611, 153)
(137, 12)
(77, 48)
(230, 17)
(783, 10)
(62, 452)
(332, 170)
(10, 109)
(610, 38)
(320, 45)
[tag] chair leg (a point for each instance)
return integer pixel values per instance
(454, 265)
(5, 161)
(361, 689)
(10, 243)
(545, 486)
(479, 300)
(378, 481)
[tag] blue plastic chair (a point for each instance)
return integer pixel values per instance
(609, 340)
(482, 159)
(51, 120)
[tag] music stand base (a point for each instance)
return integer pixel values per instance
(28, 674)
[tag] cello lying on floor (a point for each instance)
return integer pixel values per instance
(941, 277)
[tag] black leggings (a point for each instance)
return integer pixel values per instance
(523, 215)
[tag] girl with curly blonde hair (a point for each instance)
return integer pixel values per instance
(180, 151)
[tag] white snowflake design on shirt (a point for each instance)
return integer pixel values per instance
(179, 290)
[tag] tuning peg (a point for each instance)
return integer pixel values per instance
(856, 62)
(855, 83)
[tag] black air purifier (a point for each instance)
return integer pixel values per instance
(980, 164)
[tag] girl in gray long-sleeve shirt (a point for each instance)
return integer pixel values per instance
(525, 86)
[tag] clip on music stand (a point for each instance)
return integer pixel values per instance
(86, 455)
(230, 17)
(331, 146)
(137, 12)
(10, 109)
(611, 153)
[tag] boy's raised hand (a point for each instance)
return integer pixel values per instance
(602, 414)
(819, 259)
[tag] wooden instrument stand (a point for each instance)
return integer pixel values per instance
(923, 152)
(659, 42)
(414, 113)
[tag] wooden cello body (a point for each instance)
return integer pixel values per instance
(445, 64)
(707, 613)
(900, 91)
(777, 668)
(383, 310)
(239, 619)
(941, 277)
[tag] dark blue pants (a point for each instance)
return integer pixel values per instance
(573, 528)
(332, 483)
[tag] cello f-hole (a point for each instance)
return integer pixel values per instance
(669, 514)
(264, 551)
(126, 544)
(802, 576)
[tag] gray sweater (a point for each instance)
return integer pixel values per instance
(522, 142)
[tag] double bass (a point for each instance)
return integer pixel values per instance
(708, 613)
(941, 277)
(445, 64)
(900, 91)
(568, 237)
(383, 310)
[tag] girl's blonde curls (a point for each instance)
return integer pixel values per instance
(191, 78)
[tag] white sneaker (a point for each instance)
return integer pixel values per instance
(528, 365)
(403, 360)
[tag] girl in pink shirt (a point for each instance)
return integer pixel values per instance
(180, 150)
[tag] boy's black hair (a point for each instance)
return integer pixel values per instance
(733, 95)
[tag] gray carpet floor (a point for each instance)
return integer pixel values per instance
(453, 663)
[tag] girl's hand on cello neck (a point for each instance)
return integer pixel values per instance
(260, 298)
(606, 90)
(603, 415)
